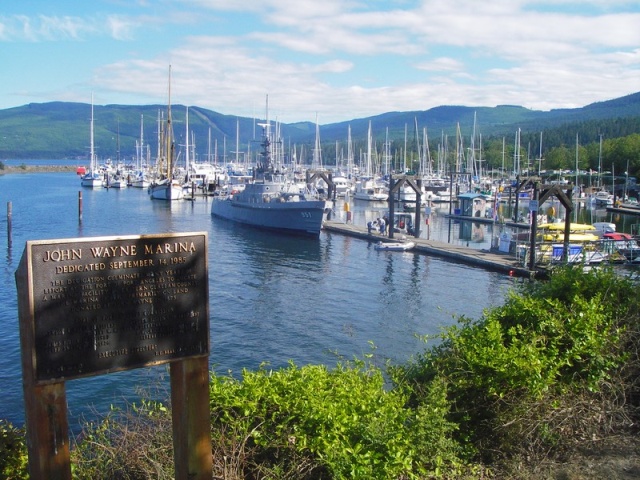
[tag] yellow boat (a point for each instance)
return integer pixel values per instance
(578, 232)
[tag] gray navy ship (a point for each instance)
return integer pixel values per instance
(272, 201)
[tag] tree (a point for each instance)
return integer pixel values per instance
(559, 158)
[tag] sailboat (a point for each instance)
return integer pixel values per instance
(117, 180)
(93, 178)
(140, 178)
(342, 181)
(367, 187)
(166, 187)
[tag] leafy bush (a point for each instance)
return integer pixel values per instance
(536, 370)
(342, 422)
(566, 283)
(13, 452)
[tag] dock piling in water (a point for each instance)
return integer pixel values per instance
(9, 214)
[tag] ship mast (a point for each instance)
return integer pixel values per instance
(168, 134)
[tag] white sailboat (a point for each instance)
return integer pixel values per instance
(166, 187)
(140, 178)
(367, 187)
(117, 180)
(93, 178)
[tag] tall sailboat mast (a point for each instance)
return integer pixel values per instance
(349, 152)
(600, 164)
(404, 155)
(317, 152)
(168, 132)
(369, 169)
(186, 147)
(540, 156)
(92, 144)
(140, 152)
(118, 142)
(237, 141)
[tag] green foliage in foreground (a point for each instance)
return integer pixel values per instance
(13, 452)
(133, 444)
(549, 367)
(552, 368)
(342, 421)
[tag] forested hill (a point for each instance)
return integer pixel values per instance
(62, 129)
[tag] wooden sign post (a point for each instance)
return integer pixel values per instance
(98, 305)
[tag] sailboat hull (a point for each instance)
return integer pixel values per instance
(166, 191)
(141, 183)
(92, 181)
(368, 190)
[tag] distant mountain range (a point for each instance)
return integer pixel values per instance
(61, 129)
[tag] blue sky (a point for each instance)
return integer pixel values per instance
(334, 60)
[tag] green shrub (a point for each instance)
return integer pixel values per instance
(535, 369)
(566, 283)
(342, 421)
(13, 452)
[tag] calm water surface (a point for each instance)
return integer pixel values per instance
(273, 298)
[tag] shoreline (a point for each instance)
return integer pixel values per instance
(38, 169)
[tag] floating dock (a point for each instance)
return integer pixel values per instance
(626, 210)
(497, 261)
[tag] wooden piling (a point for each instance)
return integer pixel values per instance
(80, 206)
(9, 219)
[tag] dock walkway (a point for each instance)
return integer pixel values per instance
(497, 261)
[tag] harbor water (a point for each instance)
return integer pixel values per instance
(273, 298)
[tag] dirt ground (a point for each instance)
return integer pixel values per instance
(613, 459)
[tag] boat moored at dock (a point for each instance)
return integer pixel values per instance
(270, 201)
(93, 177)
(167, 187)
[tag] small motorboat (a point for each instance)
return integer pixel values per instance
(395, 246)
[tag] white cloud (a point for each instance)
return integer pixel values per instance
(42, 28)
(121, 27)
(353, 58)
(442, 64)
(65, 27)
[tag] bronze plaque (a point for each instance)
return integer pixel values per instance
(115, 303)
